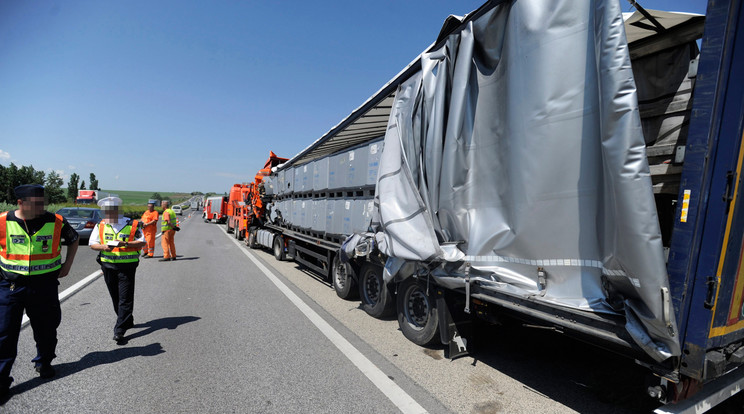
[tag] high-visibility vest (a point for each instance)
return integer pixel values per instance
(126, 234)
(169, 224)
(30, 254)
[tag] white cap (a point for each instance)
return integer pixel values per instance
(109, 202)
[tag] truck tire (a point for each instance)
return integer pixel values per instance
(278, 247)
(344, 282)
(377, 300)
(417, 313)
(239, 234)
(252, 240)
(227, 225)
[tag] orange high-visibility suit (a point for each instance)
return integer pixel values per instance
(149, 231)
(168, 241)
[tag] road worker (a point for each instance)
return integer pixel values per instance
(149, 221)
(168, 226)
(118, 241)
(30, 264)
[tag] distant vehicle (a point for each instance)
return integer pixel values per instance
(90, 196)
(86, 197)
(215, 209)
(178, 210)
(82, 219)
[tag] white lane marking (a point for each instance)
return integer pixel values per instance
(74, 288)
(395, 394)
(69, 291)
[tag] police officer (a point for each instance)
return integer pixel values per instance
(30, 264)
(118, 241)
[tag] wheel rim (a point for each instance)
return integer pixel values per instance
(340, 275)
(416, 307)
(372, 288)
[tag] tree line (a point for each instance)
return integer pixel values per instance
(13, 176)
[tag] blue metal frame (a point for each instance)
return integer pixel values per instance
(712, 151)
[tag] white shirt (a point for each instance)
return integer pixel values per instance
(121, 221)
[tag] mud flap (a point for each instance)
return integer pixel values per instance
(454, 325)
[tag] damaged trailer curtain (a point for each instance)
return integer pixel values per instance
(518, 146)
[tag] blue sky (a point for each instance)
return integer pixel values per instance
(192, 95)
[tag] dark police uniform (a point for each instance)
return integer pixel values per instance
(37, 294)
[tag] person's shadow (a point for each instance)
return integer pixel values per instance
(171, 322)
(178, 257)
(89, 361)
(109, 357)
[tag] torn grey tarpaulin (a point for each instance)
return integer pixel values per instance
(519, 146)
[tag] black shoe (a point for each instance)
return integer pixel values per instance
(120, 339)
(5, 390)
(168, 259)
(45, 369)
(144, 254)
(173, 259)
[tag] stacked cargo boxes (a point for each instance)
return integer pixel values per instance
(330, 197)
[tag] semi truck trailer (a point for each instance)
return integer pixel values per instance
(578, 170)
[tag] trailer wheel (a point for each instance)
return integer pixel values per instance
(376, 298)
(417, 313)
(342, 277)
(279, 253)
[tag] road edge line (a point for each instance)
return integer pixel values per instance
(392, 391)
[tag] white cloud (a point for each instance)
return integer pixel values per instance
(64, 176)
(116, 177)
(71, 167)
(4, 155)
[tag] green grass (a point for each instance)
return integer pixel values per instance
(134, 202)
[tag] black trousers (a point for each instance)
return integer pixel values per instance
(38, 296)
(120, 283)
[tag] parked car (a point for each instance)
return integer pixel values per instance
(81, 219)
(177, 209)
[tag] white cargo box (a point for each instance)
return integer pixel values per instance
(320, 174)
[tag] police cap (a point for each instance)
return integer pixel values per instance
(109, 203)
(29, 190)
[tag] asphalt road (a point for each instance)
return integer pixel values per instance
(85, 259)
(214, 333)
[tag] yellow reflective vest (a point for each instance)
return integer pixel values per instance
(119, 254)
(169, 224)
(30, 254)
